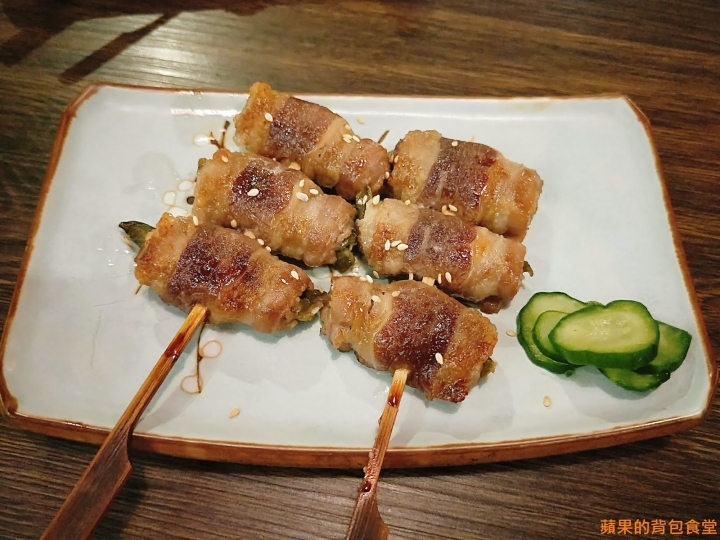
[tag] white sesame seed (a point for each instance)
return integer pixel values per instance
(360, 121)
(361, 310)
(261, 241)
(402, 247)
(356, 138)
(377, 276)
(268, 248)
(395, 159)
(439, 279)
(224, 158)
(439, 358)
(347, 126)
(268, 117)
(448, 277)
(300, 195)
(294, 166)
(314, 191)
(395, 294)
(249, 234)
(364, 199)
(444, 208)
(546, 401)
(347, 137)
(452, 207)
(407, 202)
(411, 276)
(454, 143)
(234, 413)
(511, 333)
(387, 175)
(376, 199)
(387, 245)
(301, 183)
(395, 243)
(428, 281)
(295, 274)
(368, 279)
(254, 192)
(375, 298)
(233, 224)
(472, 139)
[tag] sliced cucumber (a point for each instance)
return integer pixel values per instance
(528, 315)
(632, 380)
(672, 350)
(543, 326)
(622, 334)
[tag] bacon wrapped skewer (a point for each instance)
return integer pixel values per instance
(288, 129)
(464, 260)
(471, 180)
(444, 345)
(280, 207)
(232, 275)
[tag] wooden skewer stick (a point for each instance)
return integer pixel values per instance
(111, 466)
(366, 523)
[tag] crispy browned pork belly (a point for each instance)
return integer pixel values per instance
(407, 324)
(288, 129)
(280, 207)
(229, 273)
(471, 180)
(464, 260)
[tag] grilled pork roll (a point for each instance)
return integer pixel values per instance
(288, 129)
(473, 181)
(280, 206)
(466, 261)
(407, 324)
(224, 270)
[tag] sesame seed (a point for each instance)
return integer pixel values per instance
(364, 199)
(368, 279)
(428, 281)
(301, 196)
(224, 158)
(439, 279)
(546, 401)
(354, 274)
(249, 234)
(411, 276)
(395, 159)
(454, 143)
(261, 241)
(347, 137)
(511, 333)
(407, 202)
(301, 183)
(314, 191)
(444, 208)
(452, 207)
(375, 298)
(294, 166)
(268, 248)
(361, 310)
(254, 192)
(234, 413)
(360, 121)
(439, 358)
(395, 243)
(295, 274)
(448, 277)
(402, 247)
(356, 138)
(472, 139)
(376, 199)
(268, 117)
(377, 276)
(347, 126)
(395, 294)
(387, 175)
(233, 224)
(196, 221)
(387, 245)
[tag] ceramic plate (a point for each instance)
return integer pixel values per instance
(79, 340)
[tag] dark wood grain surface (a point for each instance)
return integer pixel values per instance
(664, 55)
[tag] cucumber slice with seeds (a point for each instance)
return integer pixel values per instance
(528, 315)
(622, 335)
(541, 332)
(672, 350)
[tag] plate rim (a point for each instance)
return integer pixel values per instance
(350, 457)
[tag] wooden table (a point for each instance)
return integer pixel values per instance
(664, 55)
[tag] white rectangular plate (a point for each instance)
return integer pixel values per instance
(79, 341)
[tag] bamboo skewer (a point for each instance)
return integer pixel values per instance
(366, 522)
(111, 466)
